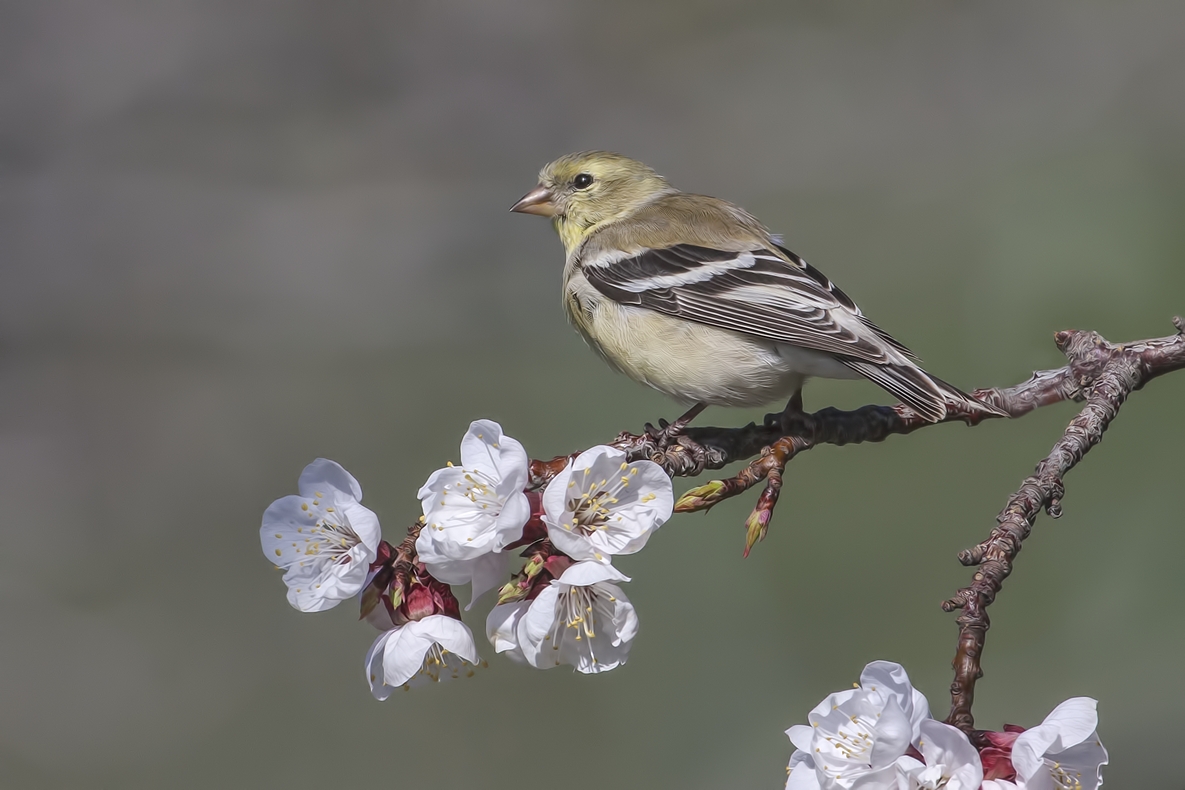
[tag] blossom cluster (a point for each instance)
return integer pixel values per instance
(564, 606)
(880, 736)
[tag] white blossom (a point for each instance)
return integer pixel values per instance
(581, 619)
(424, 651)
(858, 738)
(951, 762)
(475, 510)
(323, 538)
(1064, 751)
(600, 505)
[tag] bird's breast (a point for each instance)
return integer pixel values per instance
(687, 361)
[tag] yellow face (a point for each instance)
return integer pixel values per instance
(581, 191)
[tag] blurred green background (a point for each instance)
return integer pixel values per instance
(237, 236)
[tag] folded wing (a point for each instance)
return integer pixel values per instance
(759, 292)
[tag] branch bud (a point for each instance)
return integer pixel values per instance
(701, 497)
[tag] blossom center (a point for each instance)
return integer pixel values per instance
(852, 743)
(439, 661)
(479, 488)
(577, 610)
(592, 509)
(927, 783)
(1064, 779)
(325, 541)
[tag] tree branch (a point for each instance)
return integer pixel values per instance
(1101, 373)
(696, 450)
(1105, 374)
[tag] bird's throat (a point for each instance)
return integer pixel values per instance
(571, 233)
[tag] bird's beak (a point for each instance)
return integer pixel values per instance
(537, 201)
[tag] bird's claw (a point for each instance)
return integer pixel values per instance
(665, 434)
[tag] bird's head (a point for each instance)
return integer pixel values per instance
(582, 191)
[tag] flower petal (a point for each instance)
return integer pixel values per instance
(284, 523)
(322, 474)
(555, 496)
(516, 511)
(502, 625)
(374, 667)
(403, 655)
(364, 522)
(488, 571)
(434, 485)
(582, 574)
(601, 460)
(305, 586)
(485, 448)
(1069, 724)
(802, 736)
(625, 617)
(1075, 720)
(443, 569)
(535, 626)
(894, 732)
(887, 677)
(830, 704)
(449, 633)
(948, 747)
(801, 772)
(651, 479)
(315, 588)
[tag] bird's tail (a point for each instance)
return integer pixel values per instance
(925, 394)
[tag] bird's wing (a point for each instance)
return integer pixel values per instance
(757, 292)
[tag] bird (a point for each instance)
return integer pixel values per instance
(694, 297)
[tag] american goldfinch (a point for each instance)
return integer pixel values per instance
(692, 296)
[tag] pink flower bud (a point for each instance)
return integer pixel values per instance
(997, 757)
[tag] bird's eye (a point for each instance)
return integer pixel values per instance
(582, 181)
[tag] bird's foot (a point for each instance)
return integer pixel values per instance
(789, 420)
(668, 432)
(668, 445)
